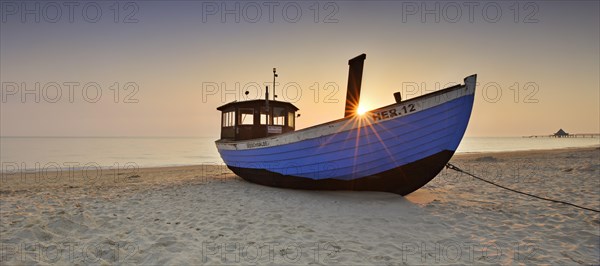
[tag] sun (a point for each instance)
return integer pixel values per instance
(361, 110)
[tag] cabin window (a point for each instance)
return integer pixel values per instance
(291, 119)
(279, 116)
(263, 116)
(228, 119)
(246, 116)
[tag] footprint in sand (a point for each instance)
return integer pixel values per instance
(165, 241)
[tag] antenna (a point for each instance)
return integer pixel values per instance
(267, 103)
(267, 95)
(274, 76)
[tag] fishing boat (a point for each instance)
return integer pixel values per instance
(397, 148)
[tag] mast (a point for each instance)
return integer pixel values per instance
(274, 76)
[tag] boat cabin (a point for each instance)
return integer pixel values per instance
(256, 119)
(264, 117)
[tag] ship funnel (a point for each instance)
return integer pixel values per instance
(354, 80)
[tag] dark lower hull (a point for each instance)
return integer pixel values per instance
(401, 180)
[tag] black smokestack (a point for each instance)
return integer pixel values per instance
(354, 80)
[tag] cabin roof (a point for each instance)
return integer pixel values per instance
(255, 103)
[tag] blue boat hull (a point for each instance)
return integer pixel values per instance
(374, 152)
(400, 180)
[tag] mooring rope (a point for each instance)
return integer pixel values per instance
(455, 168)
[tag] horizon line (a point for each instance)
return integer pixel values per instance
(85, 136)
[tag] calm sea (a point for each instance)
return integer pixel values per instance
(79, 152)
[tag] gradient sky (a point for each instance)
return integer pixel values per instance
(175, 51)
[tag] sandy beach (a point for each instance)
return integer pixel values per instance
(206, 215)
